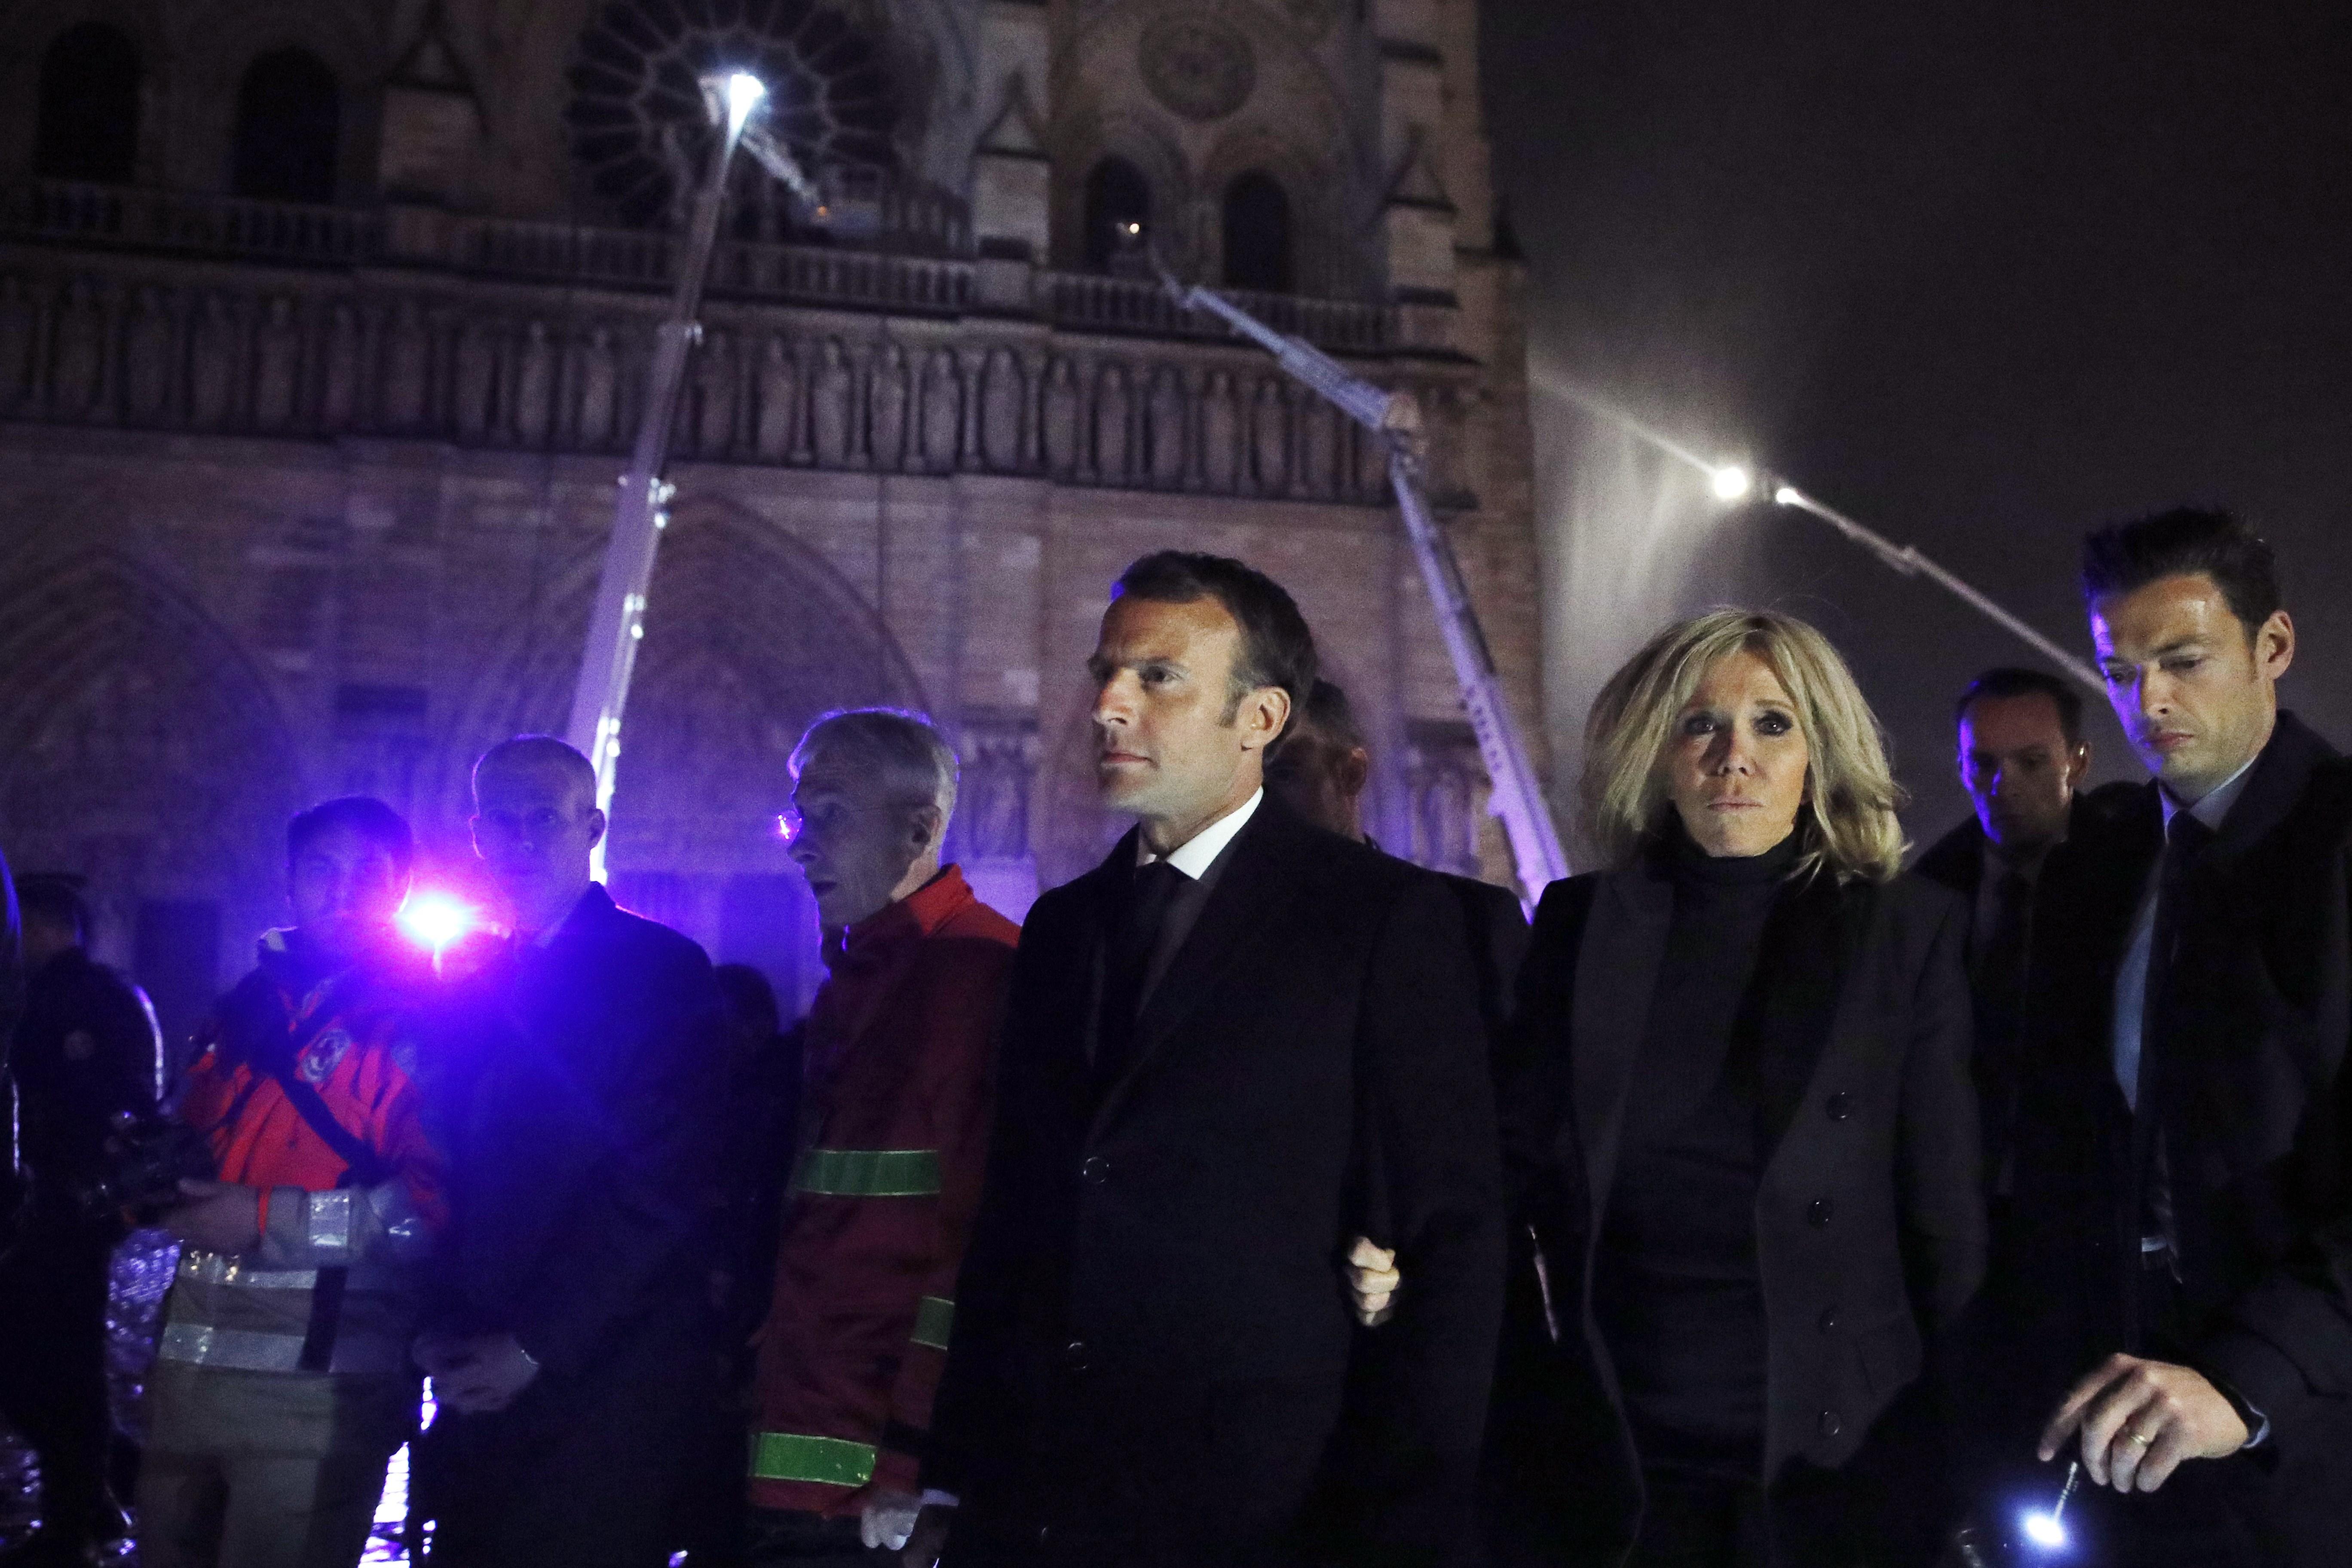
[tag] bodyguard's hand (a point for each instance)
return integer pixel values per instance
(219, 1217)
(2139, 1419)
(1373, 1280)
(476, 1376)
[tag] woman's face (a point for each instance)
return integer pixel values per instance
(1736, 763)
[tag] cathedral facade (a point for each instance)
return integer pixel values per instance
(323, 336)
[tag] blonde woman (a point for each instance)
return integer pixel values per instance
(1740, 1128)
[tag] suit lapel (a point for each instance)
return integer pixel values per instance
(1253, 888)
(1616, 974)
(1803, 994)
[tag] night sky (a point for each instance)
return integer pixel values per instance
(1980, 276)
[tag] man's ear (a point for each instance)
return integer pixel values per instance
(1353, 772)
(596, 827)
(2274, 645)
(924, 829)
(1265, 712)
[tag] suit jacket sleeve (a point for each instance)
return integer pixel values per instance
(612, 1182)
(1420, 1383)
(1936, 1148)
(977, 1410)
(961, 1026)
(2286, 1344)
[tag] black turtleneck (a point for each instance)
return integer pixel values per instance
(1676, 1289)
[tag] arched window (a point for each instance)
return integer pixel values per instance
(89, 127)
(1119, 213)
(288, 119)
(1257, 234)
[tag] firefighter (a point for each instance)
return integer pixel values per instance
(895, 1114)
(282, 1383)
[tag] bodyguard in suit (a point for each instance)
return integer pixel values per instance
(2184, 1174)
(2022, 756)
(1738, 1122)
(578, 1081)
(1238, 1043)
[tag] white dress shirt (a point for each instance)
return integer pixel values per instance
(1198, 853)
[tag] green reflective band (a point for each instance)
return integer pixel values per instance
(826, 1462)
(933, 1319)
(870, 1173)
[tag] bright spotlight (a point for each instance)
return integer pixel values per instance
(2044, 1532)
(1786, 496)
(435, 920)
(1731, 481)
(744, 92)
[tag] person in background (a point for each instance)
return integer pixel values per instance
(1319, 769)
(900, 1052)
(282, 1383)
(2184, 1143)
(2022, 759)
(87, 1050)
(1738, 1121)
(571, 1339)
(1232, 1046)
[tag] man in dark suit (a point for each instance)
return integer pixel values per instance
(2022, 756)
(1235, 1044)
(571, 1348)
(2184, 1189)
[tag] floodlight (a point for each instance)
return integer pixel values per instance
(1731, 482)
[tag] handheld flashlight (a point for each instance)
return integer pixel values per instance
(2048, 1530)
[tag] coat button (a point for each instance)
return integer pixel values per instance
(1817, 1215)
(1831, 1425)
(1840, 1106)
(1829, 1320)
(1079, 1356)
(1094, 1171)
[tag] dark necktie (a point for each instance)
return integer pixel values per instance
(1127, 965)
(2185, 838)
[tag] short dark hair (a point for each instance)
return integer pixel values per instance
(537, 751)
(54, 898)
(2010, 680)
(2186, 541)
(1277, 649)
(363, 814)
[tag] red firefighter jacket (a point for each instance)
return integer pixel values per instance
(900, 1057)
(362, 1247)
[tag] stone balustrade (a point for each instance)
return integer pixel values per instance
(56, 212)
(165, 344)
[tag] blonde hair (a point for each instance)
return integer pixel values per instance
(1847, 818)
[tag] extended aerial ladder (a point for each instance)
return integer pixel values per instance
(1394, 419)
(617, 623)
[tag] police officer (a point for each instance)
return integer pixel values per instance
(85, 1051)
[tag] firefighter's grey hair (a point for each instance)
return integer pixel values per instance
(914, 761)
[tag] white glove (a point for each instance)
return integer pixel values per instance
(888, 1520)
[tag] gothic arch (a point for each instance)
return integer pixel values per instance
(140, 746)
(220, 43)
(749, 634)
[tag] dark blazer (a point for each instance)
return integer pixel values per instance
(2252, 1097)
(577, 1088)
(1497, 927)
(1870, 1228)
(1154, 1360)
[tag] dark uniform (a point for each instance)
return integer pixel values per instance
(85, 1049)
(583, 1083)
